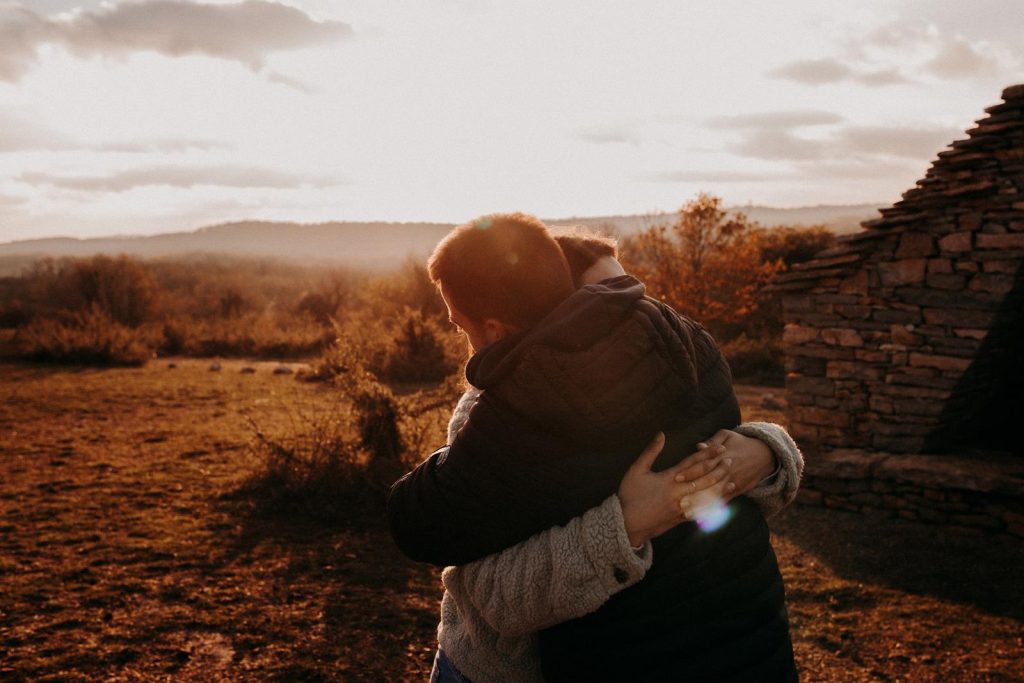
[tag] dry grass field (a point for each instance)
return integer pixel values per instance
(123, 556)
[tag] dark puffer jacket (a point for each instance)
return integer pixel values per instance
(566, 408)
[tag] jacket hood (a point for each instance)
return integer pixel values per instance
(579, 322)
(607, 359)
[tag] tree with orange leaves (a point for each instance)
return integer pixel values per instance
(707, 265)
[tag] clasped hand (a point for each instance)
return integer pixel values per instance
(726, 465)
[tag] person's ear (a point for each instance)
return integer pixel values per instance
(495, 330)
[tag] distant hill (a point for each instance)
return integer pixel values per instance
(370, 245)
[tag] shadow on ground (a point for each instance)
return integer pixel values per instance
(978, 569)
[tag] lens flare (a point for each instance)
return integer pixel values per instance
(713, 517)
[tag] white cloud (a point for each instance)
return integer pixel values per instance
(245, 32)
(958, 58)
(181, 177)
(19, 133)
(610, 135)
(830, 70)
(921, 142)
(777, 119)
(775, 136)
(718, 177)
(813, 71)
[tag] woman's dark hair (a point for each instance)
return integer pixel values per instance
(582, 249)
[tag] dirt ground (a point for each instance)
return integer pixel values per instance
(121, 560)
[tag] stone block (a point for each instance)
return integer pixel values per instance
(898, 444)
(969, 221)
(902, 272)
(988, 282)
(890, 315)
(818, 351)
(904, 391)
(853, 311)
(901, 334)
(872, 356)
(855, 284)
(846, 369)
(797, 302)
(841, 337)
(910, 376)
(939, 362)
(939, 266)
(961, 317)
(1007, 266)
(937, 298)
(805, 366)
(821, 416)
(1008, 241)
(956, 242)
(813, 386)
(970, 333)
(799, 334)
(950, 281)
(915, 244)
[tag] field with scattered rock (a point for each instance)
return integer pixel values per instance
(124, 555)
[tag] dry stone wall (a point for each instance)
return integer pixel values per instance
(881, 329)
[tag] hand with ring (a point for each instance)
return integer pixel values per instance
(654, 502)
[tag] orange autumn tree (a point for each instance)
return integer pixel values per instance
(707, 265)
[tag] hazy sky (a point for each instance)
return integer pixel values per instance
(142, 117)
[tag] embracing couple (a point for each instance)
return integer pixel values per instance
(570, 558)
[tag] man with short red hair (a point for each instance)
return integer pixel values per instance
(500, 273)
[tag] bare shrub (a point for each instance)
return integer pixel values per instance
(88, 338)
(337, 464)
(405, 347)
(316, 469)
(255, 335)
(419, 350)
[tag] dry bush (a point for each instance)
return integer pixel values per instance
(88, 338)
(120, 288)
(405, 347)
(252, 335)
(337, 464)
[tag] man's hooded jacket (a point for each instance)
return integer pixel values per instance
(566, 408)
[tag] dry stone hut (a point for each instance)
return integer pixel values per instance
(905, 344)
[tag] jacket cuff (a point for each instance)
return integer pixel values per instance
(773, 495)
(619, 564)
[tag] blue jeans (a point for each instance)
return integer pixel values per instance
(444, 671)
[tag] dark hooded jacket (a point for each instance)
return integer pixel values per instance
(566, 408)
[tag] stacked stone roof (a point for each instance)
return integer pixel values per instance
(985, 170)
